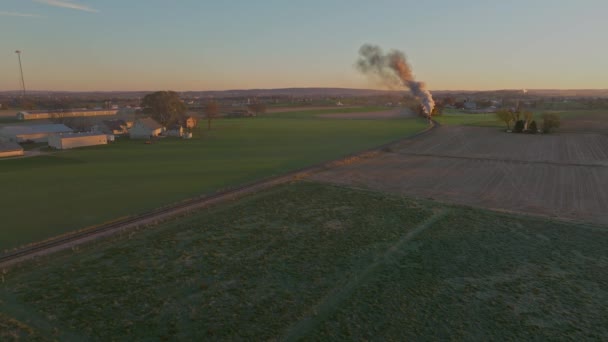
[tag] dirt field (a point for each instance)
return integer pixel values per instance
(388, 114)
(594, 122)
(562, 175)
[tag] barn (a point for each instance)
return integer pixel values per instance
(145, 128)
(74, 140)
(64, 113)
(33, 133)
(10, 149)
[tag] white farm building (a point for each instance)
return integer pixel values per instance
(67, 141)
(64, 113)
(145, 128)
(10, 149)
(34, 133)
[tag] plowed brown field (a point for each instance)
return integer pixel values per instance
(562, 175)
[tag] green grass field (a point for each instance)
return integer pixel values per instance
(321, 262)
(313, 114)
(53, 194)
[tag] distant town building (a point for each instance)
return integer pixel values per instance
(74, 140)
(64, 113)
(10, 149)
(34, 133)
(145, 128)
(470, 105)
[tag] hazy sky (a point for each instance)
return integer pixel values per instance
(212, 44)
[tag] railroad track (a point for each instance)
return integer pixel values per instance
(153, 217)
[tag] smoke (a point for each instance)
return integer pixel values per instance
(394, 71)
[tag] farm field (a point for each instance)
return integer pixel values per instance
(398, 113)
(321, 262)
(582, 119)
(57, 193)
(588, 121)
(562, 175)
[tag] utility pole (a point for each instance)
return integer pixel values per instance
(18, 52)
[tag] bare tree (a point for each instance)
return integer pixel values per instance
(211, 111)
(528, 116)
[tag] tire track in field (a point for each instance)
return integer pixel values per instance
(341, 293)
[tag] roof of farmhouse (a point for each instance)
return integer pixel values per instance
(36, 129)
(115, 124)
(66, 111)
(7, 146)
(150, 123)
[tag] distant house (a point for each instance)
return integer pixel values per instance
(10, 149)
(470, 105)
(174, 131)
(74, 140)
(115, 127)
(64, 113)
(34, 133)
(145, 128)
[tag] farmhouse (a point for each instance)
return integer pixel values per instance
(35, 133)
(145, 128)
(64, 113)
(73, 140)
(115, 127)
(174, 131)
(10, 149)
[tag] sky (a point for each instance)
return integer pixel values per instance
(112, 45)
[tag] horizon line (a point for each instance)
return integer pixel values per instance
(281, 88)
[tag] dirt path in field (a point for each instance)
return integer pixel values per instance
(562, 175)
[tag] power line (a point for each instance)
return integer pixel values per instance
(18, 52)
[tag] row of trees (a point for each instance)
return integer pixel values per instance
(524, 121)
(167, 108)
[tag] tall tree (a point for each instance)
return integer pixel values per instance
(211, 111)
(505, 116)
(164, 106)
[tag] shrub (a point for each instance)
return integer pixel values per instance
(505, 116)
(532, 128)
(550, 122)
(519, 126)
